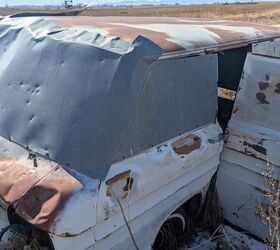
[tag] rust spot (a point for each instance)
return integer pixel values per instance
(125, 195)
(262, 98)
(118, 177)
(187, 144)
(263, 85)
(125, 177)
(277, 89)
(109, 192)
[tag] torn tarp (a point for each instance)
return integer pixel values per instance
(87, 101)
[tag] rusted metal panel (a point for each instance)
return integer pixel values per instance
(18, 175)
(141, 181)
(43, 202)
(161, 178)
(251, 153)
(259, 144)
(238, 178)
(259, 97)
(186, 145)
(172, 34)
(41, 193)
(126, 180)
(148, 186)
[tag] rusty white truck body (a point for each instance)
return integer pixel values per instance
(110, 124)
(251, 157)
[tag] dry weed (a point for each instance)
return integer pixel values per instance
(270, 214)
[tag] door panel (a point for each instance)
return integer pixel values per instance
(252, 151)
(158, 180)
(183, 152)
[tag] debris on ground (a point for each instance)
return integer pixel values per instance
(224, 238)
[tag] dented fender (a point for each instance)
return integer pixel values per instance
(44, 193)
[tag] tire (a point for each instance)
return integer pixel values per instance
(171, 232)
(14, 237)
(21, 236)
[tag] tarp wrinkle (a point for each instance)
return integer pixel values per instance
(87, 101)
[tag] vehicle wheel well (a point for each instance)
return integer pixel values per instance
(192, 209)
(193, 206)
(20, 234)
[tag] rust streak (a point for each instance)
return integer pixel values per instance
(129, 28)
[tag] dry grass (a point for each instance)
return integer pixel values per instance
(270, 213)
(266, 13)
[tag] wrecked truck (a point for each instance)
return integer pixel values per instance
(110, 127)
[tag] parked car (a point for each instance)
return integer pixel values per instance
(112, 126)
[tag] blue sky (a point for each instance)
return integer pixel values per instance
(44, 2)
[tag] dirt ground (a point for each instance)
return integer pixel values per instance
(266, 13)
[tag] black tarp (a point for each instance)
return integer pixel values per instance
(89, 103)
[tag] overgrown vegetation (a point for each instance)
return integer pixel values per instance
(270, 213)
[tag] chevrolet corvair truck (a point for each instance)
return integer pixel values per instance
(112, 127)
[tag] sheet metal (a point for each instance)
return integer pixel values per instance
(85, 105)
(162, 180)
(41, 191)
(170, 33)
(269, 48)
(252, 150)
(258, 96)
